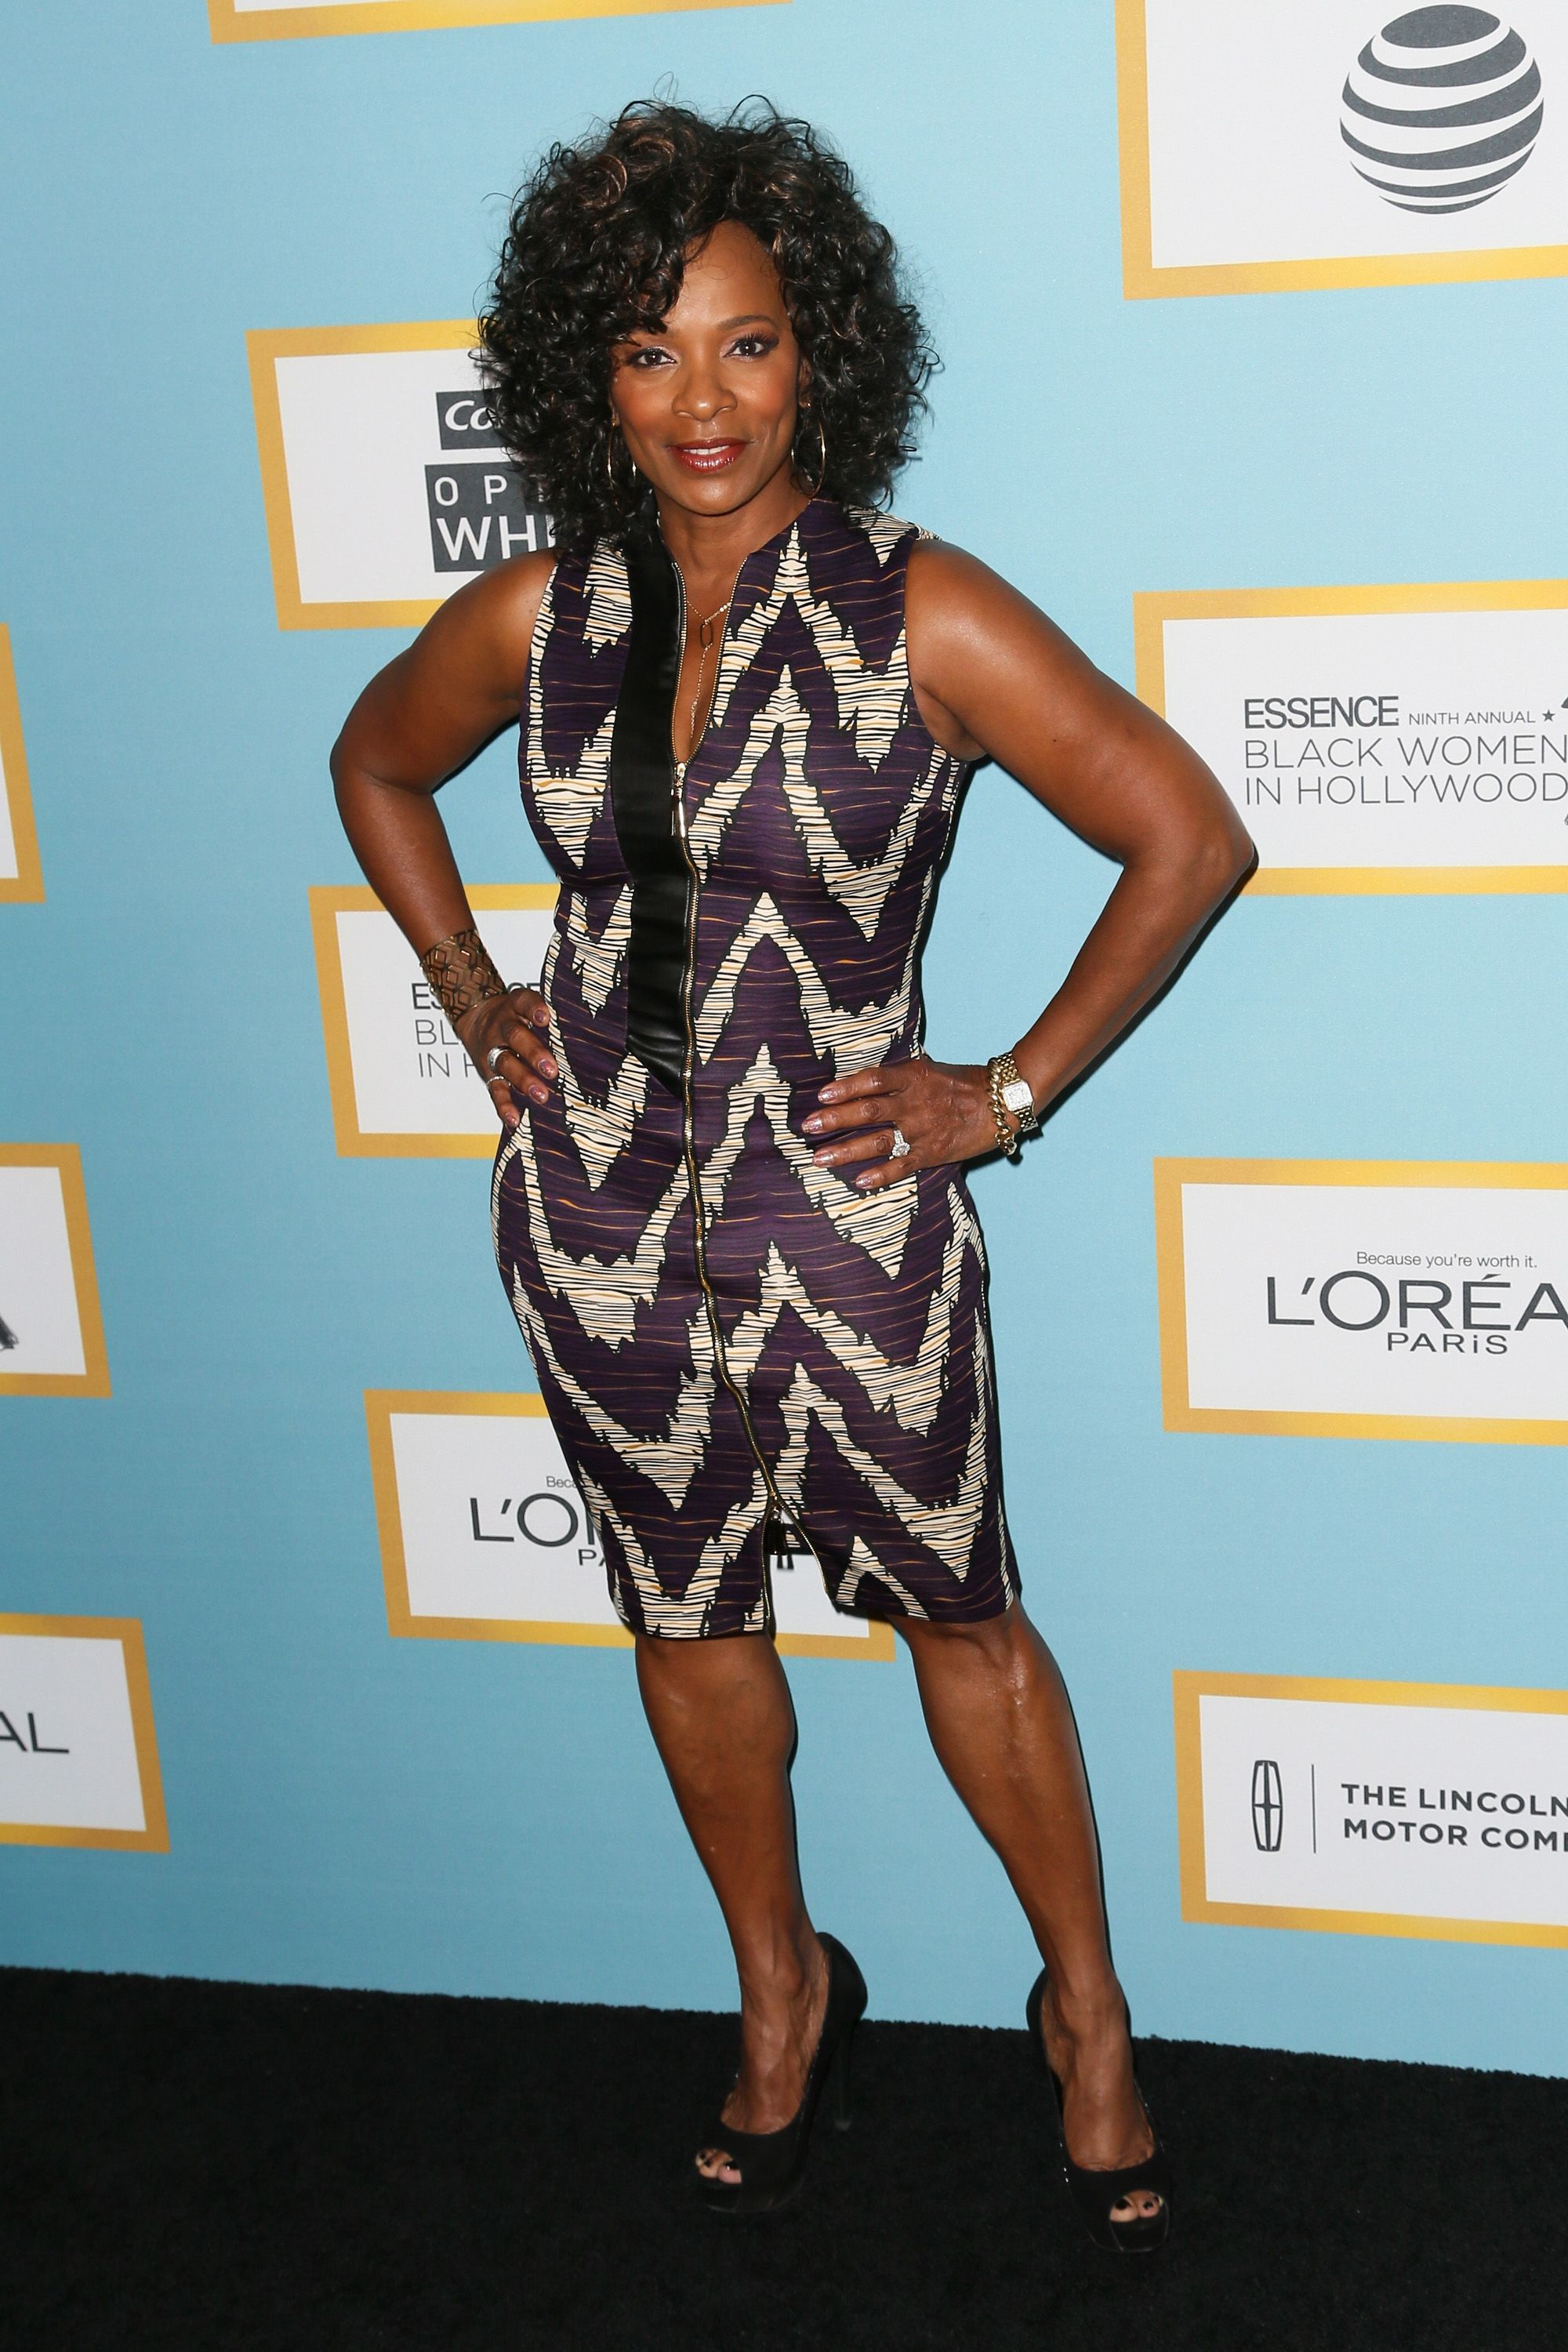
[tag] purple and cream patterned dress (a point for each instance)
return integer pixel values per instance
(738, 1349)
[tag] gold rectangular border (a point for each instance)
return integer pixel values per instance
(1141, 279)
(127, 1632)
(264, 347)
(94, 1382)
(26, 886)
(328, 901)
(230, 23)
(380, 1404)
(1188, 1688)
(1151, 608)
(1170, 1175)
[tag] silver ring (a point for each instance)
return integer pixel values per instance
(901, 1145)
(492, 1057)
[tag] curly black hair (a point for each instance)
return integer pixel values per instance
(595, 248)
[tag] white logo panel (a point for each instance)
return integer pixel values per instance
(51, 1340)
(493, 1527)
(75, 1768)
(483, 1531)
(10, 863)
(1395, 740)
(1318, 131)
(1361, 1807)
(40, 1327)
(1377, 1306)
(401, 1081)
(20, 877)
(385, 486)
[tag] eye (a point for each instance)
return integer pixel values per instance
(754, 346)
(644, 357)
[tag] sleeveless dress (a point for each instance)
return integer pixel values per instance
(742, 1354)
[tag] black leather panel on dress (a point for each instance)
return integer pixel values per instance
(642, 800)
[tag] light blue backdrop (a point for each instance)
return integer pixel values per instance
(471, 1817)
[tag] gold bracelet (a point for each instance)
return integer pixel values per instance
(1010, 1092)
(461, 974)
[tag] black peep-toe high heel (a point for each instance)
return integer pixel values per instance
(771, 2165)
(1095, 2192)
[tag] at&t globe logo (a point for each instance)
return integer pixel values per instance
(1441, 109)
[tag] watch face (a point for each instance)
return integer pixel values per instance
(1017, 1097)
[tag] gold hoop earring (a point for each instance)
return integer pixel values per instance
(814, 489)
(619, 491)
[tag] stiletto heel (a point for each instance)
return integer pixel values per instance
(1094, 2192)
(771, 2165)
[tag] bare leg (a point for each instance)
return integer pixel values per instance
(998, 1717)
(723, 1722)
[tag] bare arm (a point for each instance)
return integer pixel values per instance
(418, 720)
(993, 677)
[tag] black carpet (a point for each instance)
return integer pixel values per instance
(232, 2167)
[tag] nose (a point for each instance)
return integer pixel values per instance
(702, 392)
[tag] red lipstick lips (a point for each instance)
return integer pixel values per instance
(707, 456)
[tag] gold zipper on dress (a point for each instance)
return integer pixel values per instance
(784, 1517)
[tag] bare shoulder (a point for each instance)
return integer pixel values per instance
(959, 615)
(460, 681)
(958, 609)
(950, 591)
(988, 667)
(487, 626)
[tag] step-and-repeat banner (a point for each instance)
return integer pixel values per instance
(1323, 142)
(1377, 739)
(1373, 1809)
(384, 487)
(1365, 1299)
(79, 1763)
(1398, 747)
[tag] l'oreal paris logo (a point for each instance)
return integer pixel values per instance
(549, 1519)
(1425, 1313)
(32, 1746)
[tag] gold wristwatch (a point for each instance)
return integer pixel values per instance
(1010, 1091)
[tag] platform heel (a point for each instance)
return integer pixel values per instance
(1095, 2193)
(771, 2165)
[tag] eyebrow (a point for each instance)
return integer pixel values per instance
(726, 326)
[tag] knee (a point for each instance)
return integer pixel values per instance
(735, 1676)
(989, 1641)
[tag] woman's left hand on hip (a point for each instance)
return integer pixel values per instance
(942, 1110)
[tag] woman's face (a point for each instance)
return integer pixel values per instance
(707, 404)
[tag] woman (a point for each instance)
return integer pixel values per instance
(728, 1202)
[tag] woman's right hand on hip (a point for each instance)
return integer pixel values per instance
(502, 1039)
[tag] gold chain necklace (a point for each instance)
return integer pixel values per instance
(705, 641)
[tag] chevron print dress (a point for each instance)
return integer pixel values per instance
(740, 1352)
